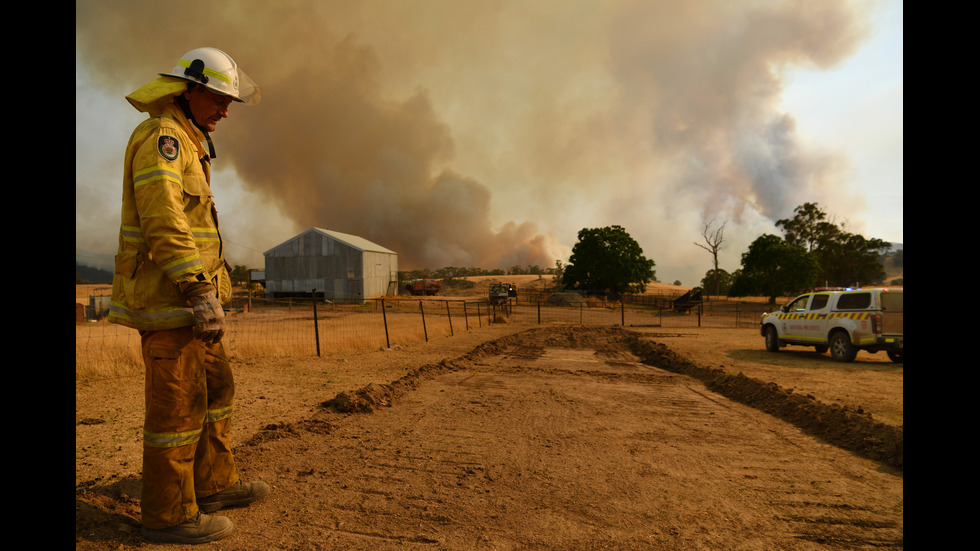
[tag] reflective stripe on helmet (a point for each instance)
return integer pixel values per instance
(207, 72)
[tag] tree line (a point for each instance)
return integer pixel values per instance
(454, 272)
(813, 251)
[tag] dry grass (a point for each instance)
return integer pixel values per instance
(274, 334)
(104, 350)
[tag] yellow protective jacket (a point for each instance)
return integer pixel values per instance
(169, 230)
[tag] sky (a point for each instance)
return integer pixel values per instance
(487, 134)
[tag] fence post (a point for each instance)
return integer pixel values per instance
(539, 312)
(450, 314)
(384, 316)
(316, 323)
(622, 313)
(479, 317)
(466, 317)
(424, 330)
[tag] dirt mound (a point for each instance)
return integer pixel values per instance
(849, 428)
(373, 396)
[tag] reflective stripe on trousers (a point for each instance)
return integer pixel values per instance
(186, 431)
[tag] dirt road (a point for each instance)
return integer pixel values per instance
(559, 438)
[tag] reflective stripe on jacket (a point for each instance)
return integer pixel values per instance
(169, 229)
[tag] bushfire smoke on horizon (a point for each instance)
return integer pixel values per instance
(468, 133)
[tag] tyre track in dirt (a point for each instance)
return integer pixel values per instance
(561, 439)
(846, 427)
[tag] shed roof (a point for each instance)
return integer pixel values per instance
(354, 241)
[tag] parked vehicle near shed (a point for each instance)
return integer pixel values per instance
(422, 287)
(842, 321)
(498, 293)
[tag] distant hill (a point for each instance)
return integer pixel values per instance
(87, 274)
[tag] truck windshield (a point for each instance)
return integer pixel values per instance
(798, 304)
(892, 302)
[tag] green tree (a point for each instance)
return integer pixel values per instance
(240, 272)
(845, 258)
(851, 259)
(558, 272)
(717, 280)
(808, 228)
(608, 259)
(772, 267)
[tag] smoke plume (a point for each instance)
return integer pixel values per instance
(415, 124)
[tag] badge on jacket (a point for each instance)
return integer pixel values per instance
(168, 147)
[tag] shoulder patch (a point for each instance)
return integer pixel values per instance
(168, 147)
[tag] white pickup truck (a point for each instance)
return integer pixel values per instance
(843, 321)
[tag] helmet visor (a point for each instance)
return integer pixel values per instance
(249, 93)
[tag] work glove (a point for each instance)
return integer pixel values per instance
(209, 317)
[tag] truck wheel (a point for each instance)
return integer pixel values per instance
(897, 357)
(841, 348)
(772, 339)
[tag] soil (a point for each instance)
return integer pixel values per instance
(515, 437)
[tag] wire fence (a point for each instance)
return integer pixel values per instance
(263, 328)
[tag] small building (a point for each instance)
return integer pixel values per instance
(340, 267)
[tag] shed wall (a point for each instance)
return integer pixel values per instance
(314, 260)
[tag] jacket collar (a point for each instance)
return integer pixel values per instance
(200, 138)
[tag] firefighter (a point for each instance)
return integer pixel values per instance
(170, 283)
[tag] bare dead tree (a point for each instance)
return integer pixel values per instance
(713, 241)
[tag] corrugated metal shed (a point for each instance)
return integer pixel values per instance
(343, 267)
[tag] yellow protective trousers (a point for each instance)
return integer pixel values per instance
(186, 431)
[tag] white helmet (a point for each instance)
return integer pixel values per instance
(218, 72)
